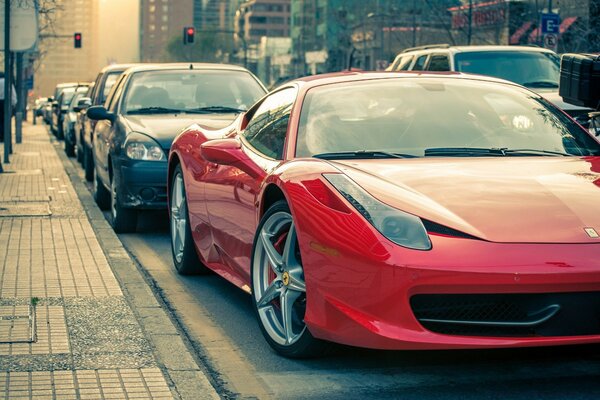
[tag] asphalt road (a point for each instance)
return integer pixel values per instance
(218, 319)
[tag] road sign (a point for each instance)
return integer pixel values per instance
(551, 41)
(550, 23)
(23, 25)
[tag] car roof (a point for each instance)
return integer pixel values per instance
(190, 66)
(117, 67)
(355, 76)
(473, 48)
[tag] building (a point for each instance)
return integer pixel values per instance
(58, 60)
(258, 18)
(215, 14)
(162, 21)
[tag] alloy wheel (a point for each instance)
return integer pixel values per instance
(278, 280)
(178, 217)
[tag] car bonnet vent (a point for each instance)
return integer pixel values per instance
(435, 228)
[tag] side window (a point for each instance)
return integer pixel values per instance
(115, 94)
(95, 89)
(420, 63)
(267, 129)
(404, 63)
(439, 62)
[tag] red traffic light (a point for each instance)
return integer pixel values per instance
(77, 40)
(188, 34)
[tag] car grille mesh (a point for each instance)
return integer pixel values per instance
(521, 315)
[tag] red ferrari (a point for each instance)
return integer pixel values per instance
(397, 211)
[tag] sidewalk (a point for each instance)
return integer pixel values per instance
(77, 319)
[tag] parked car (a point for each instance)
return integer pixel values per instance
(40, 103)
(146, 109)
(70, 119)
(397, 211)
(54, 117)
(101, 88)
(81, 108)
(63, 103)
(533, 67)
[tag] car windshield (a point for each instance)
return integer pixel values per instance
(533, 69)
(202, 91)
(435, 117)
(67, 96)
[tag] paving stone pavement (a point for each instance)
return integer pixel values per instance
(88, 342)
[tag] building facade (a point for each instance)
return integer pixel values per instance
(162, 21)
(215, 14)
(58, 60)
(257, 18)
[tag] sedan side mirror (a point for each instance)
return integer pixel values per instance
(99, 113)
(229, 152)
(82, 104)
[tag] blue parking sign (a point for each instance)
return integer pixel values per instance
(550, 23)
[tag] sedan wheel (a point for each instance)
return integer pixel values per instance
(124, 220)
(182, 244)
(278, 286)
(101, 195)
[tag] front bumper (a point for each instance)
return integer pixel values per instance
(143, 184)
(360, 286)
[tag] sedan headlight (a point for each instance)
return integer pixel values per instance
(404, 229)
(142, 147)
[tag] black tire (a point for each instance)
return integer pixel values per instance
(101, 194)
(307, 346)
(189, 263)
(88, 164)
(69, 147)
(123, 219)
(79, 153)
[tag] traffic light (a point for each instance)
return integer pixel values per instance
(188, 34)
(77, 40)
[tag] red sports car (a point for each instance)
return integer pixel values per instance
(397, 211)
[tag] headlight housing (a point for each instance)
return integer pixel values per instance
(402, 228)
(138, 146)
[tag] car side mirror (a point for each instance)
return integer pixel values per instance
(82, 104)
(229, 152)
(99, 113)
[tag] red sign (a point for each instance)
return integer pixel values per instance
(482, 14)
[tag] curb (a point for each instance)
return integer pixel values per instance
(177, 362)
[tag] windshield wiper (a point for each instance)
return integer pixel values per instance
(463, 152)
(154, 110)
(214, 110)
(487, 152)
(541, 84)
(535, 152)
(340, 155)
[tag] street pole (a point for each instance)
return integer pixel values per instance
(414, 21)
(7, 82)
(20, 99)
(470, 28)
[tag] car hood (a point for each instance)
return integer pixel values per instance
(525, 199)
(163, 128)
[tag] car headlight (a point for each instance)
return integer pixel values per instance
(404, 229)
(142, 147)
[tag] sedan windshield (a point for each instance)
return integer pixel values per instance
(194, 91)
(435, 117)
(532, 69)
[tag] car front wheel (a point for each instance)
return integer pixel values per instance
(123, 219)
(278, 286)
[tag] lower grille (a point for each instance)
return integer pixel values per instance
(517, 315)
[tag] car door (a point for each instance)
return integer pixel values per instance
(103, 133)
(231, 193)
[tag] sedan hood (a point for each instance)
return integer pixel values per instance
(525, 199)
(164, 127)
